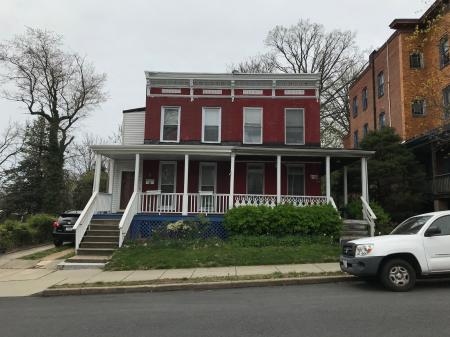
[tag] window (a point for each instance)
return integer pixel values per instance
(446, 98)
(294, 120)
(418, 107)
(380, 82)
(365, 99)
(382, 120)
(170, 122)
(365, 129)
(211, 125)
(296, 180)
(416, 60)
(253, 125)
(255, 179)
(443, 223)
(355, 139)
(355, 106)
(444, 51)
(207, 183)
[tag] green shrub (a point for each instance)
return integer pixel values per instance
(41, 225)
(383, 223)
(274, 241)
(283, 220)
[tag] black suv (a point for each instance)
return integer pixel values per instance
(63, 227)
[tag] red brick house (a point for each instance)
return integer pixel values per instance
(205, 143)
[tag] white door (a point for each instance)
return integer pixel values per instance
(207, 186)
(167, 185)
(437, 248)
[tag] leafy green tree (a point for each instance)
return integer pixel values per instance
(83, 188)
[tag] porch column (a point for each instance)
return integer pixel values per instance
(278, 179)
(110, 175)
(185, 186)
(137, 166)
(327, 178)
(364, 180)
(231, 196)
(98, 172)
(345, 186)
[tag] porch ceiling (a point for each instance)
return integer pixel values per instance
(167, 151)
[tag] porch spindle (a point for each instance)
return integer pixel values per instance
(185, 187)
(230, 201)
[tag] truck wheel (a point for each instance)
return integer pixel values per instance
(57, 242)
(398, 275)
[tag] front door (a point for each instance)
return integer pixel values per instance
(437, 247)
(126, 188)
(167, 185)
(207, 186)
(296, 180)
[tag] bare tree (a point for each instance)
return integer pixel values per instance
(10, 145)
(61, 87)
(81, 158)
(307, 48)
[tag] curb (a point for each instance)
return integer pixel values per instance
(194, 286)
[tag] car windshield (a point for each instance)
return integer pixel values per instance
(411, 225)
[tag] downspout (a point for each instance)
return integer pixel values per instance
(374, 93)
(388, 85)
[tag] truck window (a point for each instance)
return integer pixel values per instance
(443, 223)
(411, 226)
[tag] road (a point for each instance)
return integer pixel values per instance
(343, 309)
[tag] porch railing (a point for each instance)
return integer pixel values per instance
(127, 217)
(99, 202)
(161, 203)
(208, 203)
(302, 201)
(254, 200)
(369, 216)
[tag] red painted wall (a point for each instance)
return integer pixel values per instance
(312, 186)
(232, 117)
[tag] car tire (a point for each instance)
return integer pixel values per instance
(398, 275)
(58, 243)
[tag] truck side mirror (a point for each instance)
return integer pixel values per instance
(433, 231)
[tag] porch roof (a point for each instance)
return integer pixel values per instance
(164, 150)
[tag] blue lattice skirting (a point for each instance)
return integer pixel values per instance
(145, 225)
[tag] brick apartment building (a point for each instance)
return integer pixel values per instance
(406, 85)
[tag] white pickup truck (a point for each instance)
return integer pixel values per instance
(418, 247)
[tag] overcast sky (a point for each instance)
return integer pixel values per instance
(125, 37)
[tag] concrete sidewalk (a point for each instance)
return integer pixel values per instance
(25, 282)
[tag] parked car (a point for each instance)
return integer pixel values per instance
(417, 248)
(63, 227)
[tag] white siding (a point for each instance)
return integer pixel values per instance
(120, 166)
(133, 126)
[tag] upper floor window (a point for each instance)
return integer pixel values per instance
(365, 129)
(444, 51)
(382, 120)
(355, 139)
(365, 99)
(446, 96)
(418, 107)
(253, 125)
(380, 82)
(416, 60)
(211, 126)
(294, 124)
(355, 106)
(170, 124)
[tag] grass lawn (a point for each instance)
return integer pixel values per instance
(44, 253)
(217, 253)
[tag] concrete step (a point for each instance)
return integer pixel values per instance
(103, 227)
(99, 244)
(355, 222)
(88, 259)
(97, 232)
(99, 238)
(96, 251)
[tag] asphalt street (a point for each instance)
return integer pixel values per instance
(343, 309)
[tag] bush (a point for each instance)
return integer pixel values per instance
(383, 222)
(41, 224)
(274, 241)
(283, 220)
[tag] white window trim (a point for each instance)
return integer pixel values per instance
(175, 174)
(304, 129)
(287, 177)
(243, 124)
(219, 140)
(202, 164)
(263, 166)
(161, 129)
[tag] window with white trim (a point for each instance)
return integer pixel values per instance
(253, 125)
(170, 124)
(255, 179)
(294, 126)
(211, 127)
